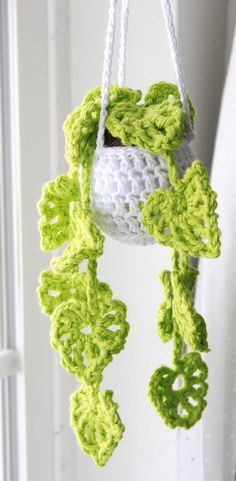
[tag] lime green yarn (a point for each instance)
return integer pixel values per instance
(96, 422)
(158, 92)
(81, 126)
(154, 128)
(191, 324)
(88, 326)
(79, 335)
(180, 406)
(178, 308)
(156, 125)
(54, 210)
(185, 219)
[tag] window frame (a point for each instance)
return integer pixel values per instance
(12, 451)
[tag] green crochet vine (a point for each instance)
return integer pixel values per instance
(88, 326)
(183, 218)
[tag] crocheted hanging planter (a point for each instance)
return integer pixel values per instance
(132, 175)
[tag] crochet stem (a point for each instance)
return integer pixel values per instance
(172, 169)
(74, 175)
(85, 186)
(179, 261)
(92, 281)
(175, 259)
(184, 263)
(178, 346)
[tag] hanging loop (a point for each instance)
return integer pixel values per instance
(108, 54)
(123, 42)
(106, 75)
(169, 23)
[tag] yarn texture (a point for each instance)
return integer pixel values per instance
(120, 178)
(89, 326)
(184, 218)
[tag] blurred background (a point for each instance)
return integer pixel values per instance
(51, 55)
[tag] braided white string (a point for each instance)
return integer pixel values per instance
(106, 75)
(123, 42)
(168, 16)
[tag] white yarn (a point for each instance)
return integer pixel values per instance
(169, 23)
(123, 42)
(106, 75)
(121, 178)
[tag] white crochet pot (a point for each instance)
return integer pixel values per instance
(121, 178)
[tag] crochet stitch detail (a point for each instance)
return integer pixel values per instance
(158, 92)
(163, 119)
(54, 210)
(178, 308)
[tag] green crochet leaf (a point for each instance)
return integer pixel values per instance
(58, 287)
(178, 307)
(86, 241)
(96, 422)
(54, 210)
(184, 218)
(158, 92)
(81, 126)
(154, 128)
(87, 340)
(181, 406)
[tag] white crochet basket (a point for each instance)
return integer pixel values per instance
(124, 176)
(121, 178)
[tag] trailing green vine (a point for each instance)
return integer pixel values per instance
(183, 218)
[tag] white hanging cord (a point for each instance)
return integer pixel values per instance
(106, 75)
(109, 44)
(168, 16)
(123, 42)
